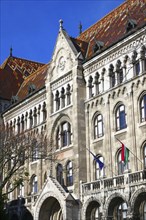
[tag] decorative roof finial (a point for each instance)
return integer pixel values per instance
(11, 51)
(61, 24)
(80, 28)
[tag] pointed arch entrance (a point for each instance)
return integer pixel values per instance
(117, 209)
(139, 209)
(50, 210)
(92, 211)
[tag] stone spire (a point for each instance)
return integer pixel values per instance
(61, 24)
(11, 51)
(80, 28)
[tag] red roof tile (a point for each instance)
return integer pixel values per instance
(112, 27)
(12, 74)
(37, 79)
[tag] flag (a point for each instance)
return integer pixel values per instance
(100, 163)
(124, 153)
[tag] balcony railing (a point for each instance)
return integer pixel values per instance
(116, 182)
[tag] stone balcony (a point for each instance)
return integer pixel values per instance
(116, 183)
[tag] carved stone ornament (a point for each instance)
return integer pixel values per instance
(61, 63)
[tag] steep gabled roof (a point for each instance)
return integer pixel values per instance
(116, 25)
(37, 79)
(12, 74)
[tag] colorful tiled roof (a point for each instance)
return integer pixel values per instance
(37, 79)
(13, 72)
(113, 27)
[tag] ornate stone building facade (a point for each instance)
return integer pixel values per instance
(92, 95)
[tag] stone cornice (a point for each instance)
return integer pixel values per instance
(118, 50)
(25, 105)
(64, 79)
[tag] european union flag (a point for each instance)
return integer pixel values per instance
(100, 163)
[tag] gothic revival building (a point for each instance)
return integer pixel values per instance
(90, 98)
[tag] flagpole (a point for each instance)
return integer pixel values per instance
(103, 163)
(131, 152)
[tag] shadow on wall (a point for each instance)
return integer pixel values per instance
(16, 210)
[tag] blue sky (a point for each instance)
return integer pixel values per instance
(31, 27)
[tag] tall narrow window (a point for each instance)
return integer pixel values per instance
(90, 86)
(57, 99)
(62, 98)
(35, 151)
(59, 174)
(98, 172)
(143, 108)
(64, 135)
(44, 110)
(69, 174)
(112, 76)
(21, 190)
(137, 68)
(98, 126)
(34, 185)
(68, 94)
(144, 155)
(122, 211)
(120, 118)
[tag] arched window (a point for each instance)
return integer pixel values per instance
(98, 172)
(144, 210)
(69, 174)
(95, 213)
(34, 184)
(122, 211)
(57, 99)
(59, 174)
(68, 94)
(144, 155)
(21, 190)
(35, 151)
(120, 118)
(112, 76)
(10, 192)
(62, 96)
(64, 135)
(121, 165)
(98, 126)
(90, 86)
(143, 109)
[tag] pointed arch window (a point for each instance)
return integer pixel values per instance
(120, 118)
(62, 96)
(90, 86)
(143, 108)
(59, 174)
(98, 126)
(64, 135)
(68, 94)
(98, 172)
(122, 211)
(144, 156)
(34, 184)
(69, 174)
(57, 99)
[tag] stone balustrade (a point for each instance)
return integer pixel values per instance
(115, 182)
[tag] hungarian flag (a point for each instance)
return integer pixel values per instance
(124, 153)
(100, 163)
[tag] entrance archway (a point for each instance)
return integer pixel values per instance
(50, 210)
(92, 211)
(139, 210)
(117, 209)
(14, 217)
